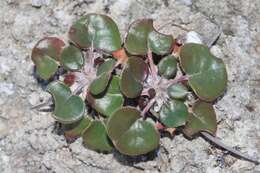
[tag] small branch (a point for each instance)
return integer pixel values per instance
(91, 53)
(79, 88)
(145, 91)
(215, 38)
(46, 103)
(153, 68)
(50, 109)
(147, 107)
(118, 62)
(177, 80)
(217, 142)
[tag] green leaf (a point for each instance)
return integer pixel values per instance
(138, 68)
(68, 108)
(96, 28)
(158, 43)
(177, 91)
(45, 55)
(167, 67)
(74, 130)
(131, 135)
(99, 84)
(207, 74)
(110, 101)
(173, 113)
(95, 137)
(132, 77)
(202, 119)
(46, 66)
(142, 36)
(106, 66)
(72, 58)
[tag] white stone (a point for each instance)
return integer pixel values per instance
(37, 3)
(193, 37)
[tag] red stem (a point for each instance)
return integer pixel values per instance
(153, 68)
(147, 107)
(177, 80)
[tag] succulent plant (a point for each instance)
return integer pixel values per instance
(114, 95)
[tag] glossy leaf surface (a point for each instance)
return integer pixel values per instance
(98, 29)
(99, 84)
(177, 91)
(45, 55)
(95, 137)
(74, 130)
(173, 113)
(131, 135)
(142, 36)
(132, 77)
(110, 101)
(207, 74)
(68, 108)
(167, 67)
(72, 58)
(202, 119)
(106, 66)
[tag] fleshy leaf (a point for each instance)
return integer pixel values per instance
(99, 84)
(177, 91)
(131, 135)
(142, 36)
(106, 66)
(95, 137)
(96, 28)
(46, 66)
(207, 74)
(159, 43)
(132, 77)
(72, 58)
(202, 119)
(173, 113)
(138, 68)
(167, 67)
(68, 108)
(74, 130)
(45, 55)
(110, 101)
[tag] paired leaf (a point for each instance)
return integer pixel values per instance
(203, 118)
(142, 36)
(131, 135)
(106, 66)
(68, 108)
(45, 55)
(99, 84)
(99, 30)
(104, 71)
(72, 58)
(75, 130)
(110, 101)
(177, 91)
(132, 77)
(167, 67)
(207, 74)
(173, 113)
(95, 137)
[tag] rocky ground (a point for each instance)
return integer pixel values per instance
(28, 139)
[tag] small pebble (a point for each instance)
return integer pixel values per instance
(37, 3)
